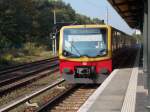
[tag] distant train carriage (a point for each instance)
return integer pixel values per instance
(86, 52)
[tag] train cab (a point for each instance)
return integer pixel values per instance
(85, 53)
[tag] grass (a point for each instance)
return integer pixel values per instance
(31, 58)
(28, 53)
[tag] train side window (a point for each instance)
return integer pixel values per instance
(113, 41)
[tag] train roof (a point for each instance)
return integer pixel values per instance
(86, 25)
(94, 25)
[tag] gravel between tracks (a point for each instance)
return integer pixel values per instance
(72, 100)
(41, 99)
(29, 88)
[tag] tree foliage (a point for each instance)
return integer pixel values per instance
(23, 21)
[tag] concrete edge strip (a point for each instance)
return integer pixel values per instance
(130, 97)
(85, 107)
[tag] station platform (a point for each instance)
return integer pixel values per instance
(122, 91)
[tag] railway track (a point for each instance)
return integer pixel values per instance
(24, 75)
(15, 103)
(70, 100)
(26, 65)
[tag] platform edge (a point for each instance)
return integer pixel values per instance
(85, 107)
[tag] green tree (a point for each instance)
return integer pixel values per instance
(23, 21)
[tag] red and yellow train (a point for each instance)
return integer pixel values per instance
(86, 52)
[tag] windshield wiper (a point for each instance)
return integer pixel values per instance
(102, 50)
(75, 49)
(69, 54)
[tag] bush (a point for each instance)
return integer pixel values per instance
(6, 58)
(33, 49)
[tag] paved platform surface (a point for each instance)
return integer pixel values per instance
(111, 99)
(122, 91)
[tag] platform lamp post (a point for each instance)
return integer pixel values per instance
(107, 15)
(53, 35)
(148, 51)
(53, 38)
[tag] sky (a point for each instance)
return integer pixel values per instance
(98, 9)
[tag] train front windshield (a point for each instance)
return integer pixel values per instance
(89, 42)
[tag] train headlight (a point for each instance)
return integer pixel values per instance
(104, 71)
(67, 71)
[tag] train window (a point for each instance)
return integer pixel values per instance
(89, 42)
(114, 40)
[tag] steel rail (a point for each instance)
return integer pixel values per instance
(18, 67)
(56, 99)
(69, 100)
(23, 82)
(13, 79)
(14, 104)
(14, 66)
